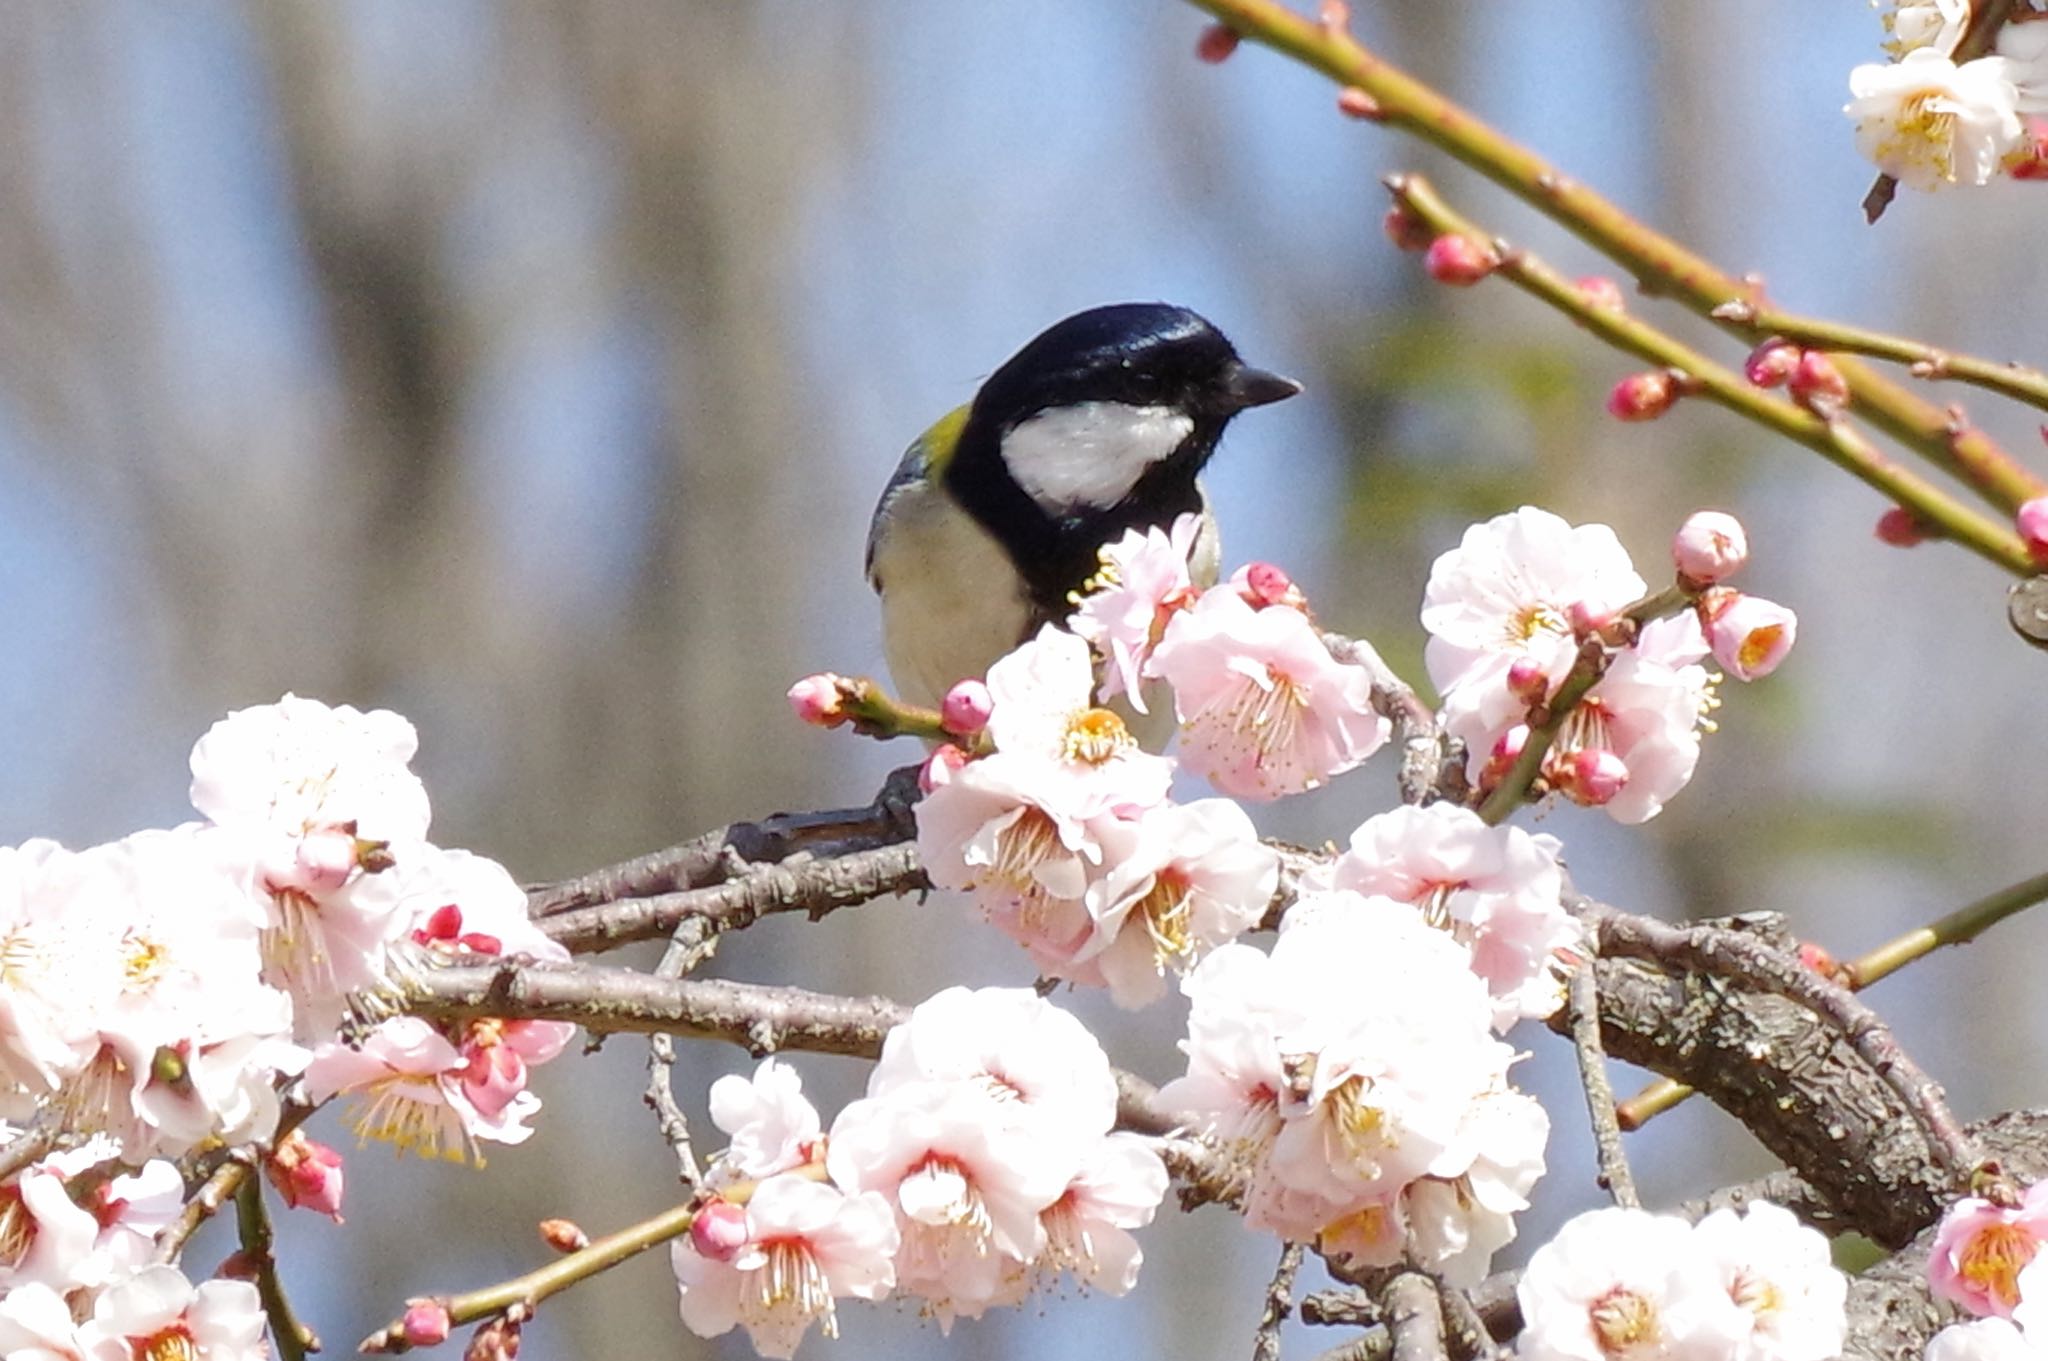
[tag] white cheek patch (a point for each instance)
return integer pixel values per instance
(1091, 454)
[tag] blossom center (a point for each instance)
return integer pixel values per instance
(17, 1227)
(144, 961)
(1167, 910)
(1537, 619)
(1361, 1124)
(174, 1343)
(1096, 737)
(1756, 1294)
(1624, 1321)
(790, 1282)
(1028, 842)
(1992, 1259)
(1922, 135)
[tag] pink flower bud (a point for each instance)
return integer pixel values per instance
(719, 1230)
(1528, 681)
(965, 709)
(1901, 528)
(1749, 635)
(1353, 102)
(2032, 522)
(1405, 229)
(1816, 382)
(1507, 749)
(938, 768)
(1590, 777)
(1588, 622)
(426, 1323)
(1642, 396)
(1459, 260)
(1770, 364)
(1263, 584)
(564, 1235)
(325, 859)
(307, 1175)
(1601, 293)
(816, 700)
(1709, 547)
(1217, 42)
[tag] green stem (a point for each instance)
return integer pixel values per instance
(1659, 264)
(2013, 380)
(1833, 438)
(252, 1219)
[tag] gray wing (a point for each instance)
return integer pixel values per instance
(909, 473)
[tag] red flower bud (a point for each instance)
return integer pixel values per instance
(1459, 260)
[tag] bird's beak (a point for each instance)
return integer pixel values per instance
(1247, 386)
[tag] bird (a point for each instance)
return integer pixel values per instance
(997, 514)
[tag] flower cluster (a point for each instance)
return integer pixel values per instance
(1930, 122)
(1353, 1080)
(1522, 600)
(1627, 1285)
(162, 991)
(1068, 841)
(980, 1164)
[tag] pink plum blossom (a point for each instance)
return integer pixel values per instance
(1265, 710)
(408, 1081)
(1177, 882)
(1496, 889)
(807, 1245)
(299, 766)
(1981, 1248)
(1749, 635)
(1144, 580)
(213, 1321)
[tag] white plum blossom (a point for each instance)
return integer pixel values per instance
(1749, 635)
(36, 1325)
(1984, 1339)
(157, 1312)
(299, 766)
(1935, 24)
(1930, 123)
(1143, 580)
(773, 1127)
(1342, 1068)
(1464, 1210)
(1507, 594)
(1044, 710)
(807, 1245)
(1780, 1273)
(1498, 890)
(1264, 709)
(1626, 1285)
(1088, 1229)
(1648, 711)
(1177, 882)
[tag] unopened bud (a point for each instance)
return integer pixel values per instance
(1528, 681)
(719, 1230)
(426, 1323)
(937, 770)
(1771, 364)
(1817, 959)
(1459, 260)
(306, 1174)
(1601, 293)
(1217, 42)
(1815, 382)
(497, 1340)
(1507, 749)
(1590, 777)
(1642, 396)
(1405, 229)
(2031, 520)
(816, 700)
(1749, 635)
(1262, 584)
(1901, 528)
(965, 709)
(1353, 102)
(1709, 547)
(1588, 622)
(564, 1235)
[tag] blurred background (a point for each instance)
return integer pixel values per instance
(532, 368)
